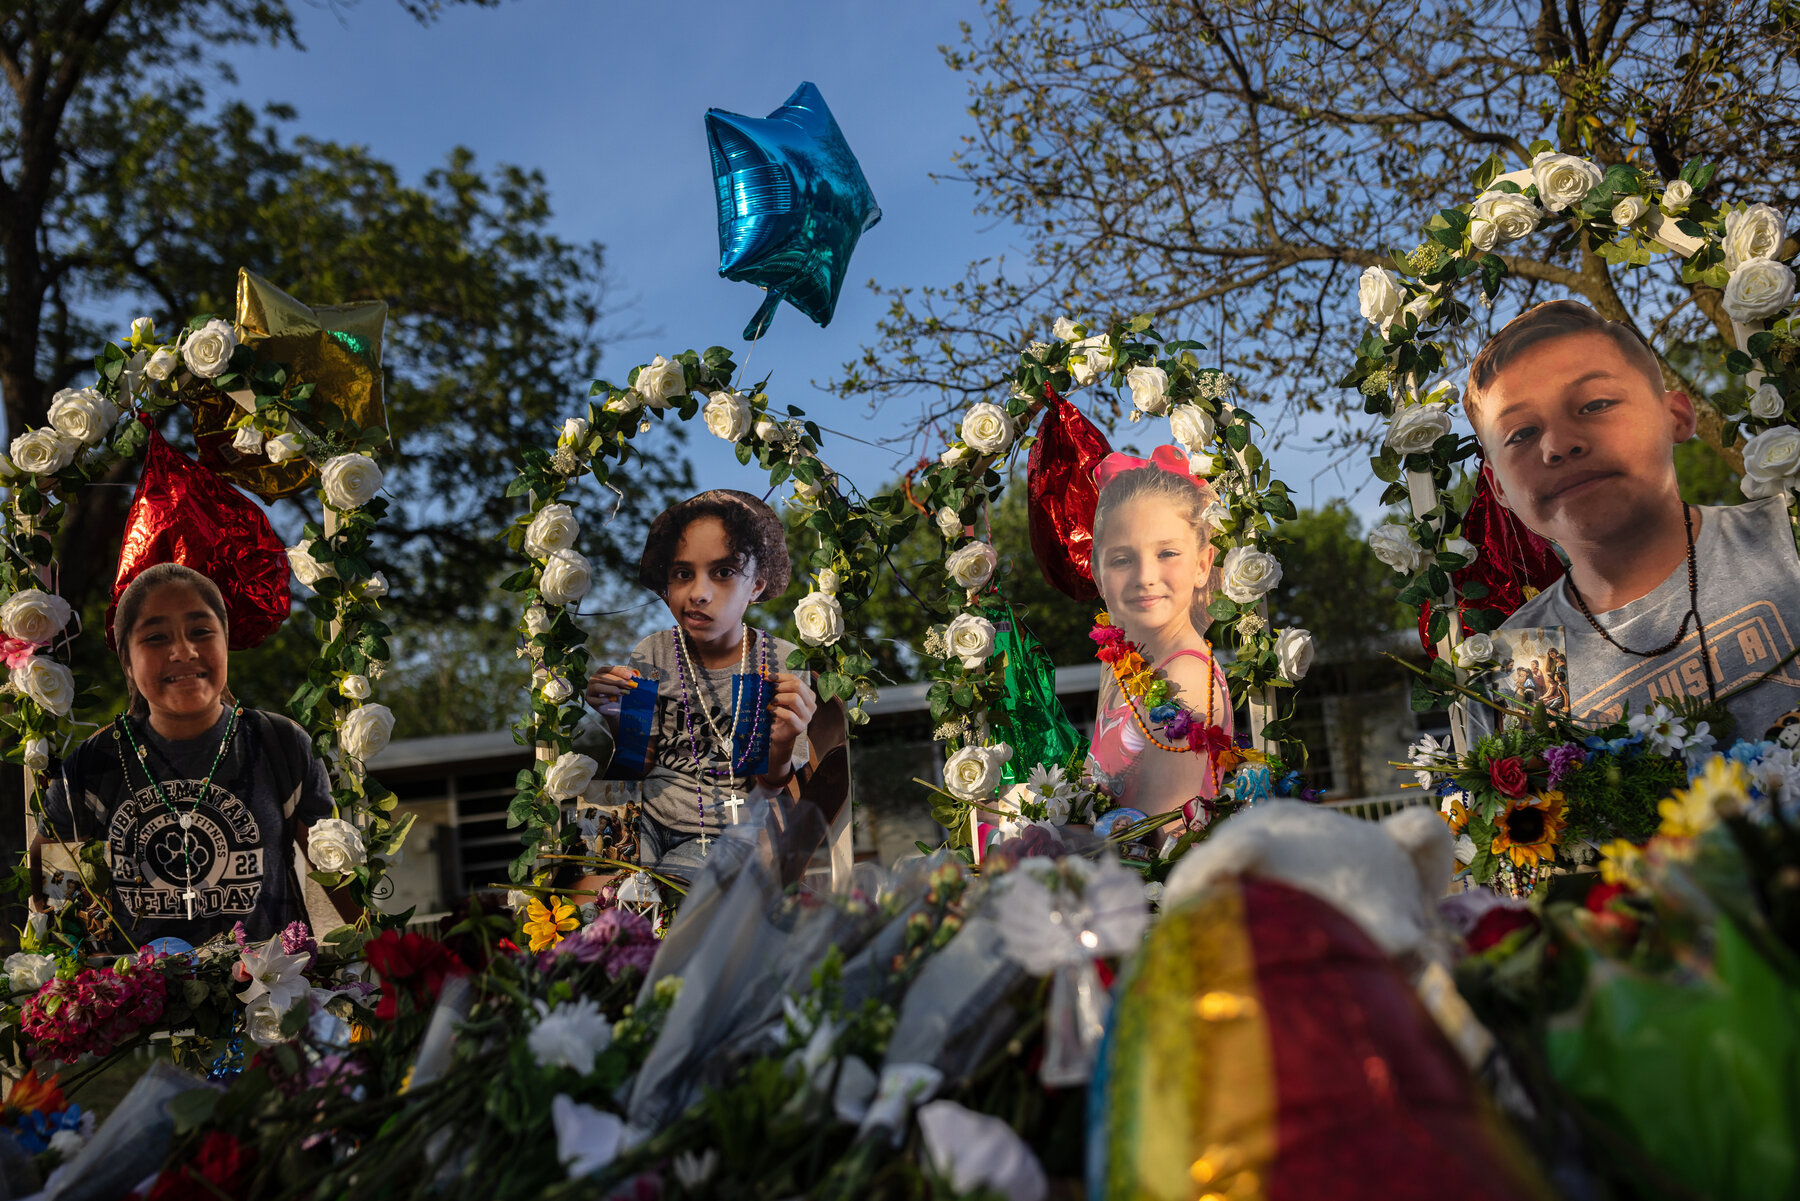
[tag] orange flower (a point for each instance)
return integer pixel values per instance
(1527, 832)
(31, 1094)
(546, 924)
(1131, 665)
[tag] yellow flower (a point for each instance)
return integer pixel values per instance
(1140, 683)
(545, 924)
(1527, 832)
(1693, 810)
(1455, 815)
(1622, 862)
(1103, 618)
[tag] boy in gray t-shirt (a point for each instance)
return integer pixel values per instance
(1662, 599)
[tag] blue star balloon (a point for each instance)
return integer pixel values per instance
(792, 203)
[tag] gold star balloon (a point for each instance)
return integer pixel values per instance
(336, 348)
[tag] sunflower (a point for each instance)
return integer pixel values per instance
(1455, 813)
(1527, 832)
(545, 924)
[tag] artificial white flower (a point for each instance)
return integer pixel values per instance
(975, 1151)
(1758, 289)
(283, 447)
(537, 620)
(1483, 234)
(365, 731)
(308, 570)
(376, 586)
(1090, 358)
(1415, 428)
(693, 1171)
(949, 522)
(566, 577)
(1393, 544)
(570, 1035)
(627, 401)
(273, 974)
(574, 433)
(553, 528)
(661, 381)
(37, 754)
(1463, 547)
(1627, 211)
(1379, 295)
(1294, 653)
(1216, 514)
(987, 428)
(1202, 464)
(828, 581)
(1149, 389)
(262, 1022)
(82, 414)
(1766, 403)
(956, 454)
(1756, 232)
(970, 637)
(1563, 180)
(820, 619)
(556, 690)
(1428, 754)
(356, 687)
(1248, 573)
(1661, 728)
(33, 615)
(350, 481)
(727, 415)
(975, 771)
(1771, 461)
(587, 1139)
(1512, 215)
(1192, 427)
(207, 351)
(43, 451)
(247, 440)
(47, 682)
(1066, 330)
(1474, 650)
(27, 972)
(972, 565)
(335, 845)
(1676, 196)
(142, 329)
(161, 364)
(569, 775)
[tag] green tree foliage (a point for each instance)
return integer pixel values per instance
(1232, 167)
(1333, 585)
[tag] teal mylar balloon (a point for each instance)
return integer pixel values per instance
(792, 203)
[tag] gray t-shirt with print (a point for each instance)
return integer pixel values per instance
(1749, 603)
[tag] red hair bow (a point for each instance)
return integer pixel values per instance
(1171, 459)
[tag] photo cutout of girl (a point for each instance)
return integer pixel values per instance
(1154, 563)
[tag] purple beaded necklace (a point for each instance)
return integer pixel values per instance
(693, 697)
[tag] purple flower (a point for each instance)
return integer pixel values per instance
(1562, 759)
(239, 935)
(297, 939)
(618, 939)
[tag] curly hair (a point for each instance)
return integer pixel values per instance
(752, 531)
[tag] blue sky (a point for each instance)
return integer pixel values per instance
(607, 101)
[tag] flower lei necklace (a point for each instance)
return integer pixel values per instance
(184, 820)
(694, 698)
(1139, 681)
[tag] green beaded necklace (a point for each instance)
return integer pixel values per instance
(185, 820)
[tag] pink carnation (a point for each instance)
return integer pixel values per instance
(96, 1010)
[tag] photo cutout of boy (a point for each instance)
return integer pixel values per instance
(1662, 599)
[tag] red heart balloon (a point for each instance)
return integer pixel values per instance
(1061, 492)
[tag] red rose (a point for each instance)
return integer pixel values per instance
(1494, 925)
(1600, 896)
(1508, 776)
(411, 963)
(220, 1168)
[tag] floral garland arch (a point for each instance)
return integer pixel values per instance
(853, 536)
(91, 429)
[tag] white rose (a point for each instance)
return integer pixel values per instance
(1065, 329)
(556, 690)
(142, 328)
(376, 586)
(828, 582)
(949, 522)
(970, 637)
(569, 776)
(350, 481)
(625, 402)
(7, 470)
(1563, 179)
(955, 455)
(767, 430)
(1771, 459)
(356, 687)
(1294, 652)
(43, 451)
(1474, 650)
(537, 620)
(1149, 389)
(207, 351)
(1766, 403)
(283, 447)
(34, 615)
(727, 414)
(567, 575)
(574, 432)
(660, 381)
(308, 570)
(820, 619)
(262, 1021)
(987, 428)
(1463, 547)
(1192, 427)
(1753, 233)
(1090, 358)
(1419, 307)
(37, 753)
(26, 972)
(161, 364)
(1393, 544)
(974, 772)
(1676, 196)
(365, 731)
(82, 414)
(973, 565)
(553, 529)
(1758, 289)
(1202, 464)
(1415, 428)
(1216, 514)
(1627, 211)
(1379, 295)
(1483, 234)
(1512, 214)
(1248, 573)
(334, 845)
(248, 440)
(47, 682)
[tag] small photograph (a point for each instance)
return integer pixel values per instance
(1530, 666)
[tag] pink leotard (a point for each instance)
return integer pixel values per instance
(1119, 743)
